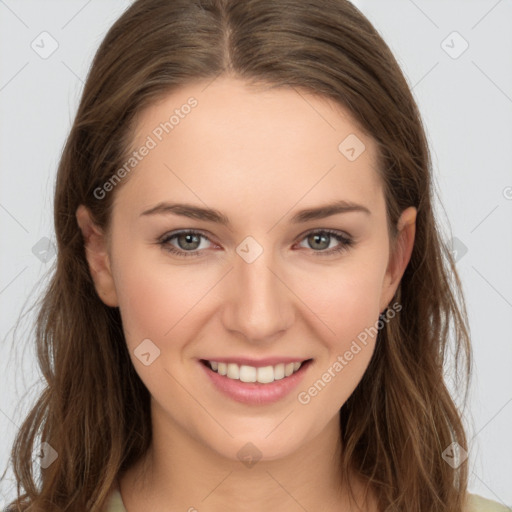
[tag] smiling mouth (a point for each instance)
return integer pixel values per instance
(262, 374)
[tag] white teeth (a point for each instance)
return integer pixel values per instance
(279, 371)
(248, 373)
(233, 371)
(264, 374)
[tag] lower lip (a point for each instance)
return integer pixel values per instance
(255, 393)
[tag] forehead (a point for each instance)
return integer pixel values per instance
(252, 148)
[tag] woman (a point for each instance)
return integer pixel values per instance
(252, 300)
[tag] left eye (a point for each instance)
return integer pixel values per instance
(319, 238)
(189, 242)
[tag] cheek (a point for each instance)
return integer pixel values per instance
(155, 299)
(345, 299)
(347, 302)
(164, 306)
(349, 352)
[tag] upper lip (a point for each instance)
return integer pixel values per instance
(257, 363)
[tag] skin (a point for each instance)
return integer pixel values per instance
(258, 156)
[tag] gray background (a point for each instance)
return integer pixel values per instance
(466, 103)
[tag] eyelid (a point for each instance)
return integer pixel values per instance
(331, 231)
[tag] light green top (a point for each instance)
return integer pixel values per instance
(475, 504)
(478, 504)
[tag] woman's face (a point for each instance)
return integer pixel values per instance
(267, 281)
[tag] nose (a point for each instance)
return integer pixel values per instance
(259, 302)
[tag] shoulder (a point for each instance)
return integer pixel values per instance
(115, 503)
(476, 503)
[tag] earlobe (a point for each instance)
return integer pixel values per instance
(401, 255)
(96, 251)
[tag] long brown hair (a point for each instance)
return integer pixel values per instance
(94, 411)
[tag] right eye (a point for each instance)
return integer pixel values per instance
(187, 242)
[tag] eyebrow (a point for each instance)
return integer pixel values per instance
(212, 215)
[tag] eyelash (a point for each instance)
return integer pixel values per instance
(345, 242)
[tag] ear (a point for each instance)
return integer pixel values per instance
(96, 251)
(400, 257)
